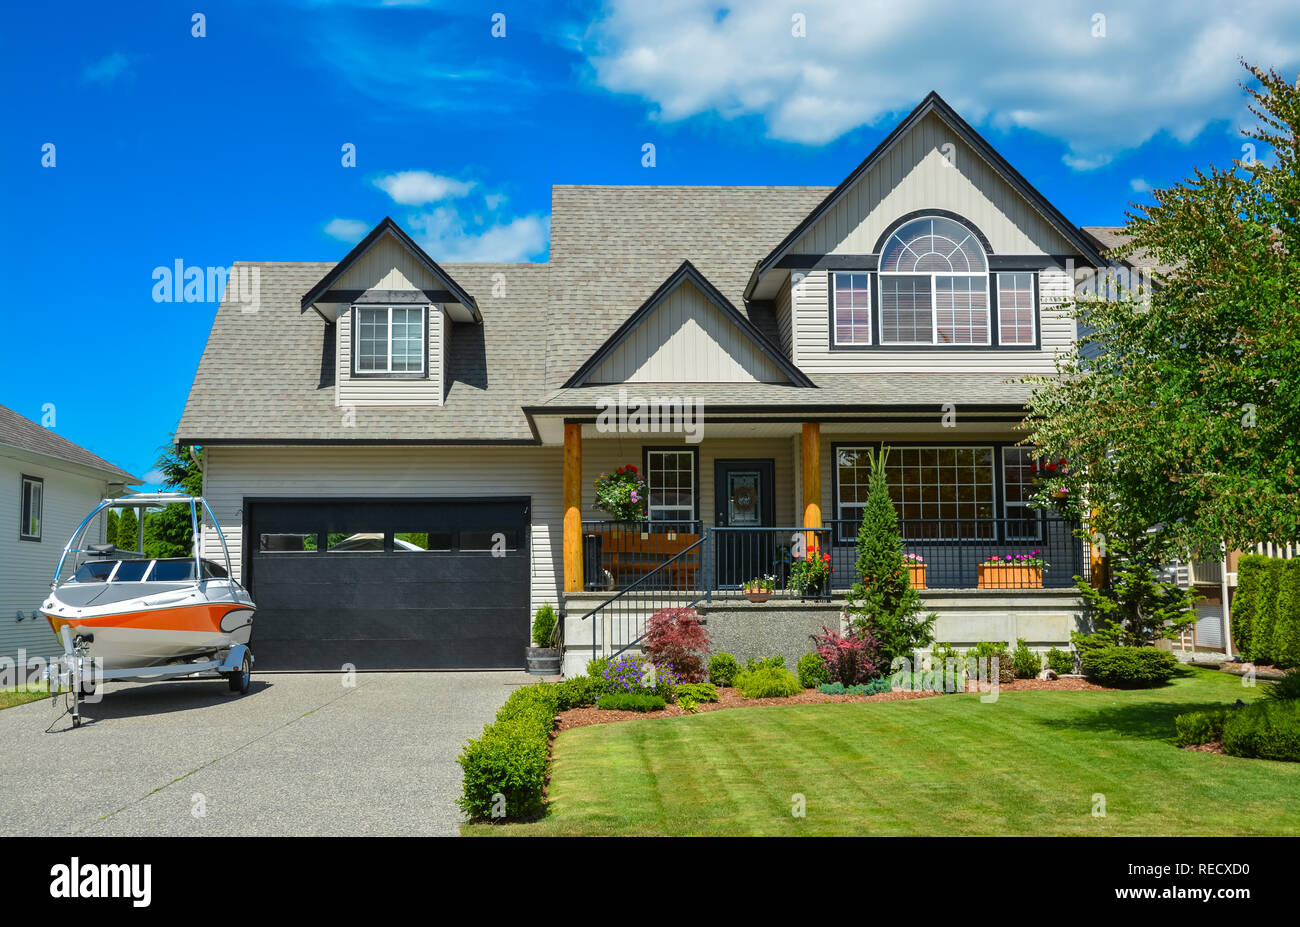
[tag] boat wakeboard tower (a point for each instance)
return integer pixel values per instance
(123, 615)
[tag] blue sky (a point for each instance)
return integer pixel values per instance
(228, 146)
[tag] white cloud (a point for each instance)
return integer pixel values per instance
(449, 235)
(1139, 185)
(349, 230)
(1160, 66)
(106, 69)
(416, 188)
(155, 477)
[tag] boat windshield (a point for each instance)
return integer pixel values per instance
(173, 570)
(96, 571)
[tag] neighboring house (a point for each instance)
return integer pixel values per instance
(465, 407)
(47, 486)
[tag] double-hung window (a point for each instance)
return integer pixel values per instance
(389, 340)
(1016, 309)
(851, 308)
(670, 475)
(934, 285)
(33, 503)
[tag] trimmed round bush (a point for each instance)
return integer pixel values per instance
(696, 691)
(723, 669)
(1129, 667)
(1266, 730)
(509, 759)
(543, 626)
(768, 682)
(578, 692)
(1060, 662)
(812, 670)
(1199, 727)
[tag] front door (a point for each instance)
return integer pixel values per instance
(743, 506)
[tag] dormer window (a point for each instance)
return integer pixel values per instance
(389, 341)
(934, 285)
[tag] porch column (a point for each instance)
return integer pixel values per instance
(812, 475)
(572, 508)
(1096, 561)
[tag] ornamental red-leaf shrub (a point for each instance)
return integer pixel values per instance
(674, 637)
(851, 659)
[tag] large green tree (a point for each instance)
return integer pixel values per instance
(1178, 410)
(169, 532)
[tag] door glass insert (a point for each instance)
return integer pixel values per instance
(744, 507)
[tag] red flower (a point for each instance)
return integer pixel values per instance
(631, 469)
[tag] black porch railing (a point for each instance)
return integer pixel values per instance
(618, 554)
(959, 553)
(790, 563)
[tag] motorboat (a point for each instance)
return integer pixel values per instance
(123, 610)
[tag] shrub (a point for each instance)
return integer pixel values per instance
(768, 682)
(688, 704)
(992, 651)
(751, 664)
(1060, 662)
(1199, 727)
(1286, 630)
(631, 701)
(596, 667)
(1024, 662)
(640, 677)
(875, 687)
(543, 626)
(674, 637)
(1250, 573)
(509, 757)
(1268, 730)
(1129, 667)
(849, 659)
(1263, 645)
(1285, 689)
(578, 692)
(941, 654)
(811, 669)
(696, 691)
(723, 669)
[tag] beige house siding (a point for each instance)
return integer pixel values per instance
(234, 473)
(814, 355)
(687, 339)
(387, 266)
(381, 391)
(914, 175)
(26, 567)
(785, 319)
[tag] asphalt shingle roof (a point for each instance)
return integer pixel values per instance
(20, 432)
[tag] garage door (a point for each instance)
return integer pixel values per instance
(393, 584)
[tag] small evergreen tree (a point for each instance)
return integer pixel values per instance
(1135, 606)
(1262, 643)
(883, 603)
(170, 532)
(128, 531)
(1286, 633)
(1245, 602)
(110, 528)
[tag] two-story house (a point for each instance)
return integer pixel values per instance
(405, 452)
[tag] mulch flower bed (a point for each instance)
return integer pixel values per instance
(730, 698)
(1262, 670)
(1214, 747)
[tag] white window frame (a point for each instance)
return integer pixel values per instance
(899, 504)
(1033, 517)
(934, 341)
(676, 509)
(1033, 309)
(835, 308)
(36, 507)
(387, 370)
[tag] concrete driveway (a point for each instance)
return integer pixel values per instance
(299, 754)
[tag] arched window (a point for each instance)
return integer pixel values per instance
(934, 284)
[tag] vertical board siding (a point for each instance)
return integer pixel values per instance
(26, 567)
(785, 319)
(378, 391)
(814, 356)
(914, 175)
(234, 473)
(387, 266)
(686, 339)
(608, 454)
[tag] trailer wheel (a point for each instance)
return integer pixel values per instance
(239, 681)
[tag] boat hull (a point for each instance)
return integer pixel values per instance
(141, 637)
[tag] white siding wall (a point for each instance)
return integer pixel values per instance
(26, 567)
(812, 337)
(785, 319)
(233, 473)
(916, 175)
(685, 339)
(380, 391)
(606, 455)
(387, 266)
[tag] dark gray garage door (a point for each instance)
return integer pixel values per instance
(393, 584)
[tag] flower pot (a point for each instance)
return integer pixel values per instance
(1010, 576)
(543, 661)
(758, 596)
(916, 572)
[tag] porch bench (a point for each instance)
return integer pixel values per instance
(629, 555)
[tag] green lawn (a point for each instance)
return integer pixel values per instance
(21, 695)
(1028, 764)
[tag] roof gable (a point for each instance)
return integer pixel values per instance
(420, 264)
(22, 433)
(931, 110)
(686, 317)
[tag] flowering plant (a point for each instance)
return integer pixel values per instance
(913, 560)
(622, 494)
(761, 584)
(810, 573)
(1032, 559)
(640, 677)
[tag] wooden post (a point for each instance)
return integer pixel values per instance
(1096, 561)
(573, 508)
(811, 445)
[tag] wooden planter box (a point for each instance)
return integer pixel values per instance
(917, 573)
(1010, 576)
